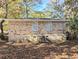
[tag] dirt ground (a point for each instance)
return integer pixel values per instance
(66, 50)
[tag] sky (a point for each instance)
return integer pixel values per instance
(41, 6)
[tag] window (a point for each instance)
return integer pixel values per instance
(34, 27)
(48, 27)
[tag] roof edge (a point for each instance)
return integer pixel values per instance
(35, 19)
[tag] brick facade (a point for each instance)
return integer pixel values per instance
(21, 29)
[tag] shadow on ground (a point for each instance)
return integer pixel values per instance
(65, 50)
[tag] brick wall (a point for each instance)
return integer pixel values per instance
(17, 29)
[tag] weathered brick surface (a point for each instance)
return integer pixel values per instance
(20, 29)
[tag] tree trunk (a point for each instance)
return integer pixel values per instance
(2, 32)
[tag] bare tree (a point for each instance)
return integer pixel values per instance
(6, 7)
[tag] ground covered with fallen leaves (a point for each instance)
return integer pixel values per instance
(66, 50)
